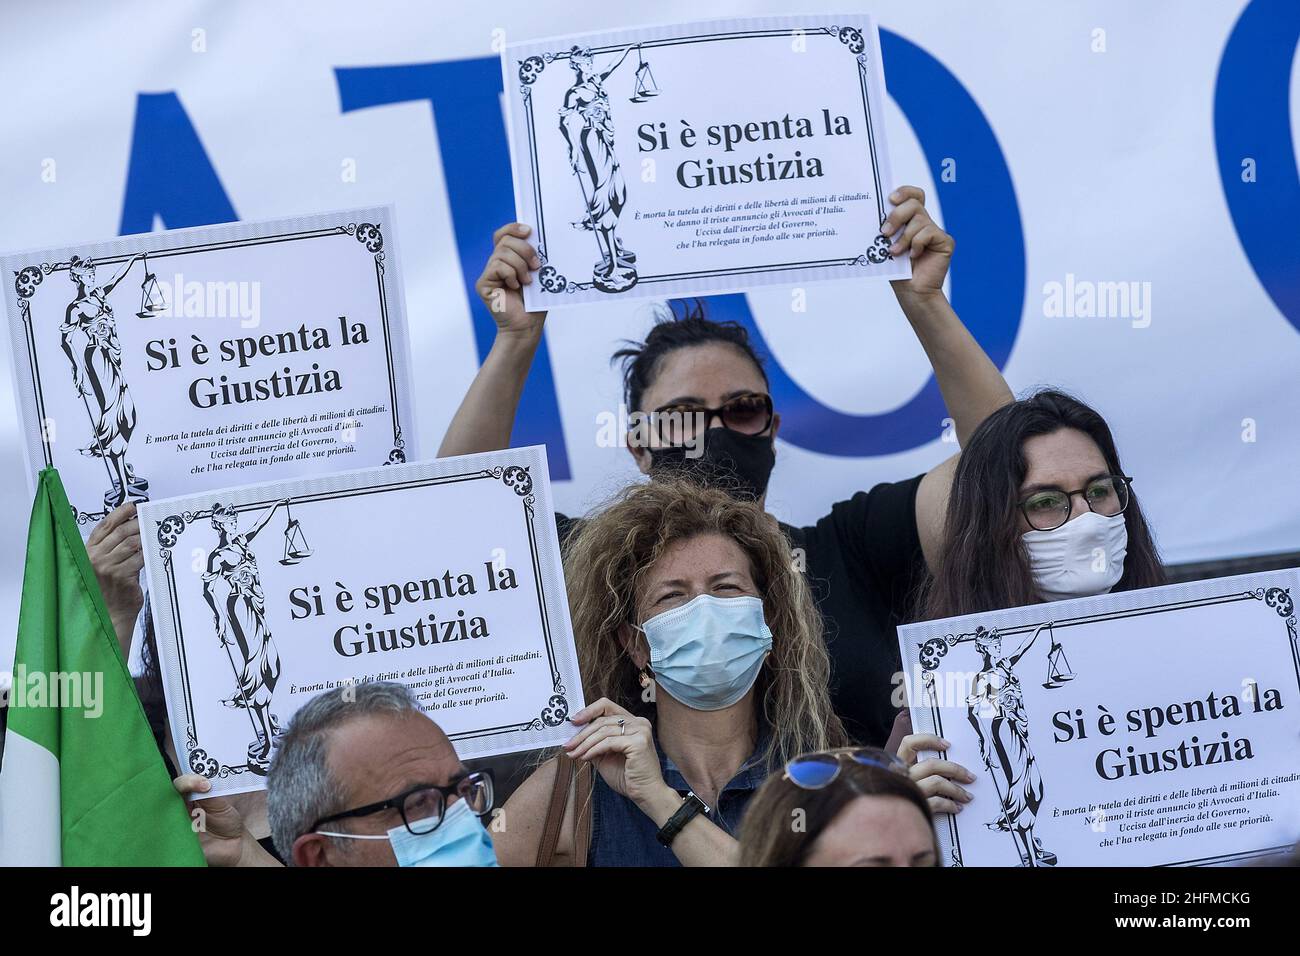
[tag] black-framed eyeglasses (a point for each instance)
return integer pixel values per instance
(1049, 508)
(423, 807)
(748, 414)
(816, 771)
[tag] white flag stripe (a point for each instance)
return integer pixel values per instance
(30, 832)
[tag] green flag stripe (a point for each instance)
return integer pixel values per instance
(118, 807)
(38, 632)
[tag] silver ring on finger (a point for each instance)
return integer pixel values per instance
(622, 726)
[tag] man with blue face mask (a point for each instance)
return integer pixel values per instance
(364, 778)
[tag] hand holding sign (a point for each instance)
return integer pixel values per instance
(915, 234)
(1172, 724)
(620, 746)
(500, 286)
(935, 776)
(753, 154)
(461, 598)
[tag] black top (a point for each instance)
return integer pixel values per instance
(864, 564)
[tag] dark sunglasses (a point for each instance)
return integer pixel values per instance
(749, 414)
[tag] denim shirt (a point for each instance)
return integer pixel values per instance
(622, 835)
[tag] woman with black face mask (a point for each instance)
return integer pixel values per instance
(699, 404)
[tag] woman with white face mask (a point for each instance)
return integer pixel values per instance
(1041, 510)
(702, 654)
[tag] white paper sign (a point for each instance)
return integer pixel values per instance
(701, 157)
(442, 575)
(1146, 728)
(203, 358)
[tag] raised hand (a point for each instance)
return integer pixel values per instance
(915, 234)
(501, 284)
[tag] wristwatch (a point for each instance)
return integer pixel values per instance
(684, 815)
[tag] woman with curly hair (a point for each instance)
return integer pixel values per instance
(702, 652)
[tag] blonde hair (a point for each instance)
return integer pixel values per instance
(606, 561)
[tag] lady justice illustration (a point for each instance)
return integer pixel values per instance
(232, 587)
(91, 344)
(587, 125)
(996, 710)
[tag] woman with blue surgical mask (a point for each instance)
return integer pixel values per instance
(702, 655)
(1041, 510)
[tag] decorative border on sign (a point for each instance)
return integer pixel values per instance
(531, 67)
(931, 652)
(516, 478)
(369, 235)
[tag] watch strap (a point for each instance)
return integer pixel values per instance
(690, 808)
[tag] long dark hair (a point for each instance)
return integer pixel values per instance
(983, 565)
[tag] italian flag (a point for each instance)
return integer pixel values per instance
(81, 780)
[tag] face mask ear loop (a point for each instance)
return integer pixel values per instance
(351, 836)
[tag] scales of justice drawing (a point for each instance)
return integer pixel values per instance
(996, 711)
(232, 587)
(90, 341)
(152, 301)
(587, 125)
(1058, 665)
